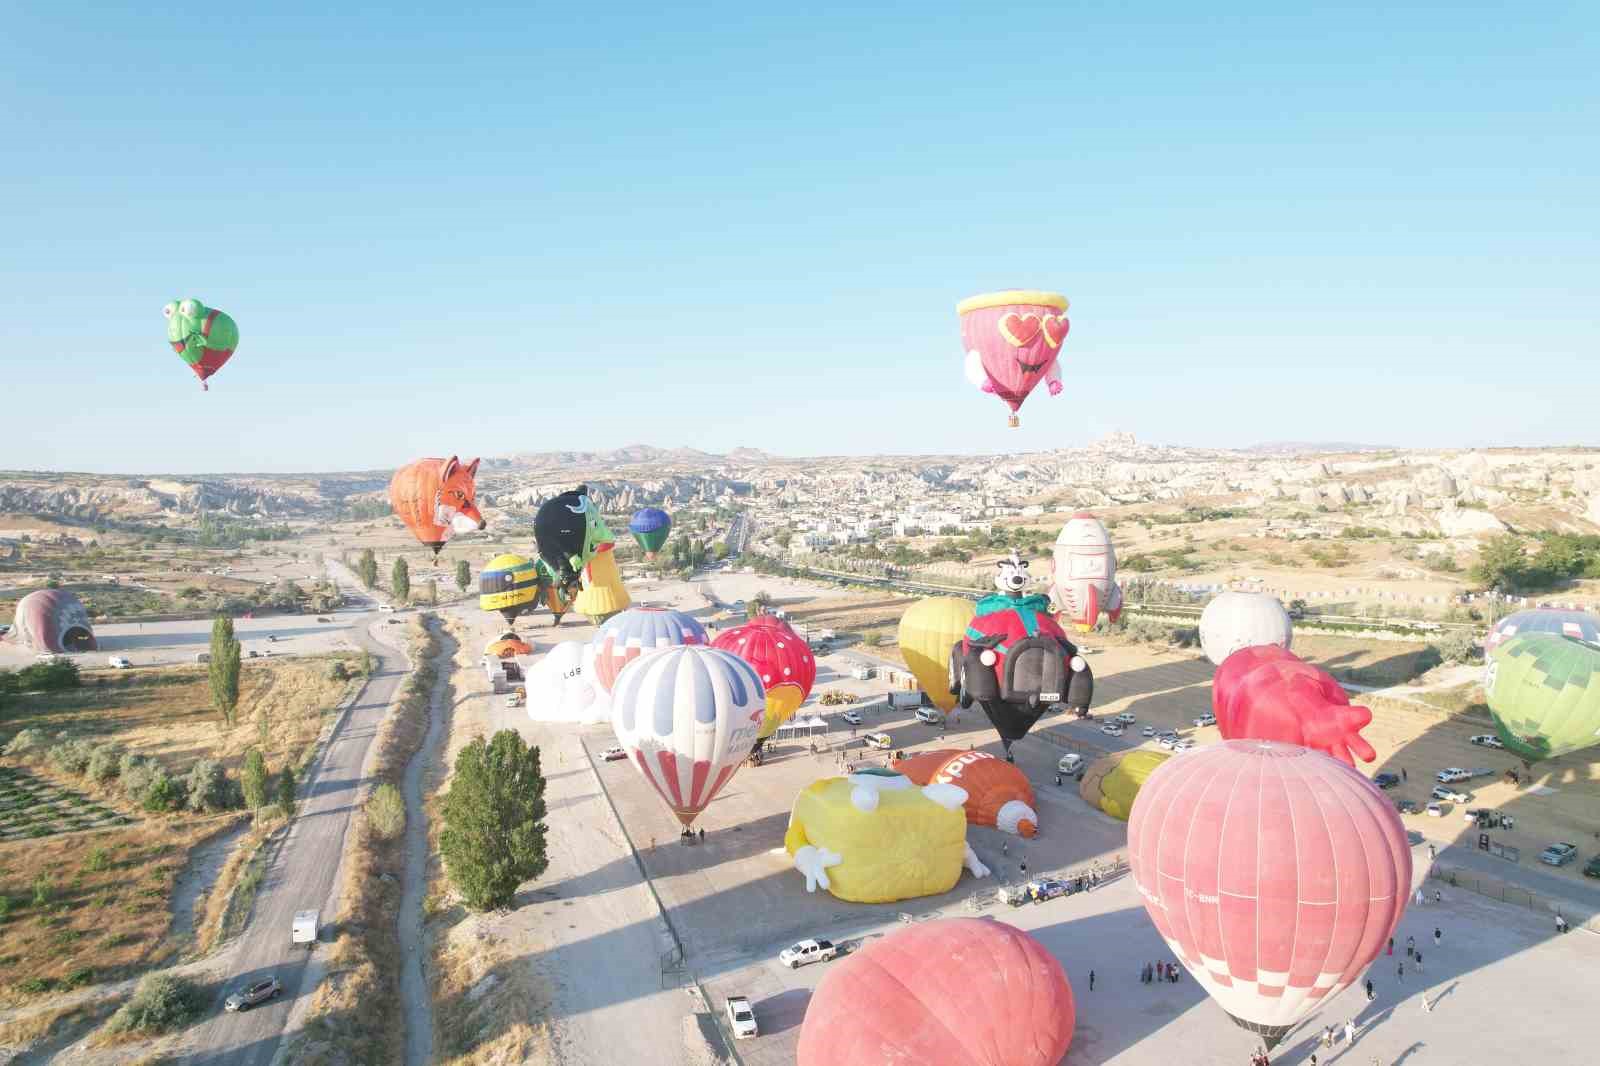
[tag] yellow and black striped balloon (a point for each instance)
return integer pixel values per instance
(508, 584)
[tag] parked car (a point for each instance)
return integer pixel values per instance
(1386, 780)
(1451, 774)
(1449, 795)
(806, 952)
(1167, 742)
(1405, 806)
(1126, 718)
(1486, 740)
(256, 992)
(741, 1017)
(1206, 719)
(322, 619)
(853, 717)
(1148, 731)
(1558, 854)
(118, 662)
(272, 638)
(882, 741)
(1182, 744)
(1111, 730)
(386, 608)
(1069, 763)
(1433, 810)
(613, 754)
(1488, 818)
(1592, 867)
(1047, 888)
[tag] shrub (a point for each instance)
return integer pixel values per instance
(253, 780)
(1148, 630)
(161, 1002)
(136, 773)
(78, 978)
(35, 985)
(70, 756)
(99, 859)
(386, 810)
(208, 788)
(43, 889)
(162, 793)
(27, 740)
(1457, 647)
(337, 671)
(5, 907)
(105, 762)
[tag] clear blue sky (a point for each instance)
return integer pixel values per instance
(583, 226)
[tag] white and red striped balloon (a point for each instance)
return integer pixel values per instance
(1275, 873)
(687, 717)
(639, 630)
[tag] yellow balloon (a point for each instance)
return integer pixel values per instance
(928, 629)
(1112, 782)
(603, 593)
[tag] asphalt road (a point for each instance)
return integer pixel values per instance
(303, 875)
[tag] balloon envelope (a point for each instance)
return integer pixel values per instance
(998, 794)
(569, 531)
(508, 647)
(1268, 693)
(508, 584)
(603, 593)
(561, 687)
(1013, 338)
(1235, 620)
(650, 526)
(687, 717)
(1544, 693)
(782, 658)
(928, 630)
(53, 621)
(1275, 873)
(203, 337)
(950, 992)
(637, 631)
(1112, 782)
(1083, 572)
(435, 498)
(1579, 625)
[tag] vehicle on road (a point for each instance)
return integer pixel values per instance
(1111, 730)
(1558, 854)
(1126, 718)
(1486, 740)
(118, 662)
(1148, 731)
(272, 638)
(1433, 810)
(516, 697)
(254, 993)
(1386, 780)
(613, 754)
(304, 929)
(1405, 806)
(1450, 775)
(46, 657)
(1592, 867)
(806, 952)
(1182, 744)
(1047, 888)
(386, 608)
(929, 716)
(1206, 719)
(1166, 742)
(327, 621)
(4, 628)
(741, 1018)
(1449, 795)
(1069, 763)
(853, 717)
(879, 740)
(1488, 818)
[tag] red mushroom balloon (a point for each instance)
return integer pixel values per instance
(956, 992)
(782, 658)
(1269, 693)
(1274, 872)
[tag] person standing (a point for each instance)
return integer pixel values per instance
(1350, 1028)
(1091, 980)
(1371, 994)
(1419, 962)
(1403, 777)
(1399, 972)
(1438, 934)
(1391, 946)
(1411, 947)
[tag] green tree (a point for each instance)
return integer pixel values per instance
(433, 591)
(286, 792)
(386, 810)
(253, 780)
(224, 669)
(367, 568)
(463, 574)
(1501, 563)
(400, 579)
(493, 838)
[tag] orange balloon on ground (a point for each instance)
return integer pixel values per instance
(998, 794)
(951, 992)
(436, 497)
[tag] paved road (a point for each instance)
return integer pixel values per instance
(303, 875)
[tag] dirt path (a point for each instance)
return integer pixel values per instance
(414, 989)
(199, 875)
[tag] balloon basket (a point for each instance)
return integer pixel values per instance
(1013, 421)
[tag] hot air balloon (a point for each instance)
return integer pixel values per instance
(603, 594)
(929, 629)
(53, 621)
(950, 992)
(554, 594)
(561, 687)
(507, 646)
(435, 498)
(1274, 872)
(1267, 693)
(1237, 620)
(687, 717)
(637, 631)
(1013, 340)
(1015, 661)
(203, 337)
(1084, 573)
(1112, 782)
(1544, 693)
(569, 531)
(508, 584)
(1579, 625)
(998, 794)
(650, 527)
(782, 658)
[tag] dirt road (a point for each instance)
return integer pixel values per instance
(302, 875)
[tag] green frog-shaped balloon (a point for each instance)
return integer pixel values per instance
(202, 336)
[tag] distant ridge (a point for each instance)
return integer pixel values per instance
(1295, 447)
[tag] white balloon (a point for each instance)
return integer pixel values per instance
(561, 687)
(1237, 620)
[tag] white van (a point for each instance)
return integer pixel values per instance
(304, 930)
(118, 662)
(1069, 763)
(385, 608)
(930, 716)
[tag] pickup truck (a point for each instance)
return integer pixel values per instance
(806, 952)
(741, 1017)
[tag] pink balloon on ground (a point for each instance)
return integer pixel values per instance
(1269, 693)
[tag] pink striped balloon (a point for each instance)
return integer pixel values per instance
(639, 630)
(1275, 873)
(688, 717)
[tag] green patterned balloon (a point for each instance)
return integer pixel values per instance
(202, 336)
(1544, 692)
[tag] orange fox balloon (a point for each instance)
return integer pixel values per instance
(435, 497)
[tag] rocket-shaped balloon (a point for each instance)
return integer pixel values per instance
(1084, 573)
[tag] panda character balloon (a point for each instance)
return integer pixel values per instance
(1015, 660)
